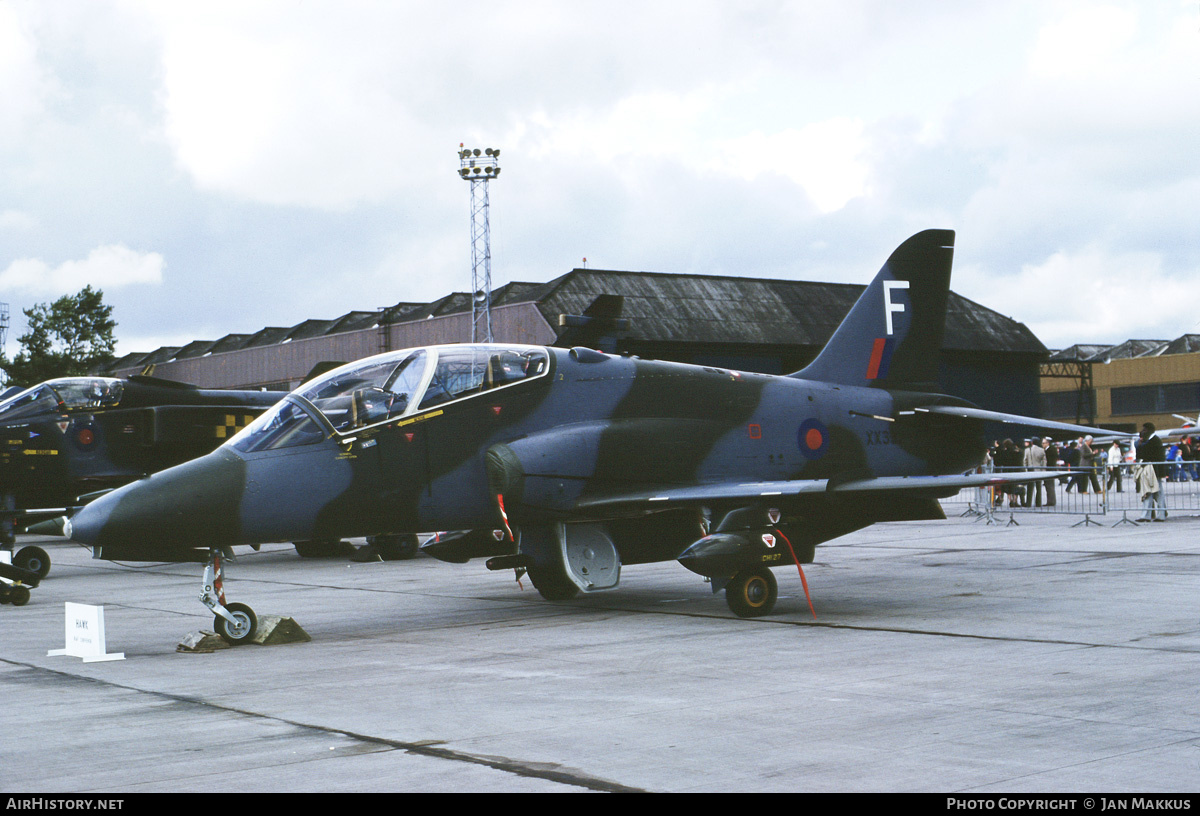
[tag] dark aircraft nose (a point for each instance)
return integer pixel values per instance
(191, 505)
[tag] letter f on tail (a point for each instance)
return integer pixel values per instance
(892, 337)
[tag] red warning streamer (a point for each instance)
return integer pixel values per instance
(219, 578)
(511, 537)
(803, 580)
(504, 517)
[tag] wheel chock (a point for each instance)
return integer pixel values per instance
(272, 631)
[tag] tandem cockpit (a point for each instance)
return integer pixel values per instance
(63, 396)
(388, 386)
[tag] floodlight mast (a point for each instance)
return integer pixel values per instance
(479, 167)
(3, 340)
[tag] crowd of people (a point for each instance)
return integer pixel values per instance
(1146, 462)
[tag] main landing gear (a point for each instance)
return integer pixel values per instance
(235, 623)
(34, 559)
(751, 593)
(29, 566)
(15, 594)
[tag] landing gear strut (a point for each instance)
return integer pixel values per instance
(235, 623)
(12, 590)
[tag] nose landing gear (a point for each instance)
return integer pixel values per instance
(235, 623)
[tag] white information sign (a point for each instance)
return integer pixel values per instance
(84, 634)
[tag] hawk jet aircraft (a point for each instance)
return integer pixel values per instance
(73, 436)
(572, 464)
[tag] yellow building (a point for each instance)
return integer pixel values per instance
(1120, 387)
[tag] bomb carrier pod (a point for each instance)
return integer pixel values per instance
(16, 581)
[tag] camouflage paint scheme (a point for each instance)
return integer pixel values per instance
(585, 462)
(74, 435)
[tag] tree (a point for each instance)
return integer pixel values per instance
(66, 338)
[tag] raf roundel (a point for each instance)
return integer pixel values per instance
(85, 437)
(813, 438)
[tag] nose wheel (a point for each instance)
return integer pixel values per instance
(241, 628)
(234, 623)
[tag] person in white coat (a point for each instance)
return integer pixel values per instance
(1115, 458)
(1035, 459)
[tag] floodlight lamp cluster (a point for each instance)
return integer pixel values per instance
(478, 164)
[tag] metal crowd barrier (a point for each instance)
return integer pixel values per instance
(1087, 491)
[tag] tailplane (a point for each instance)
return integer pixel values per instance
(892, 337)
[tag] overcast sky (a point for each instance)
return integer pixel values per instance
(218, 167)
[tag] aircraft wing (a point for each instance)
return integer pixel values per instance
(757, 492)
(712, 492)
(24, 517)
(1017, 419)
(1171, 433)
(943, 482)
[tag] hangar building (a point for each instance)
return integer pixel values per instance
(1120, 387)
(765, 325)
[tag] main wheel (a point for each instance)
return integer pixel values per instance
(19, 595)
(33, 559)
(551, 584)
(752, 593)
(243, 630)
(322, 549)
(394, 547)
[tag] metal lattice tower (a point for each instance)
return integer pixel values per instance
(479, 167)
(3, 339)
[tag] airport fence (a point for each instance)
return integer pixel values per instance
(1091, 492)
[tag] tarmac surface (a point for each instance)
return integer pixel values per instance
(951, 656)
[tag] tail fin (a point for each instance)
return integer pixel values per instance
(892, 337)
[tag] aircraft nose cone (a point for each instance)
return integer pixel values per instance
(191, 505)
(85, 525)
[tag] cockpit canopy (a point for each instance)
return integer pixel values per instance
(387, 386)
(64, 395)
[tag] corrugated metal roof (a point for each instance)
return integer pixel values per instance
(1184, 344)
(403, 312)
(1128, 350)
(706, 309)
(662, 308)
(353, 321)
(310, 328)
(129, 360)
(1100, 353)
(1078, 352)
(197, 348)
(519, 292)
(270, 336)
(159, 355)
(452, 303)
(230, 342)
